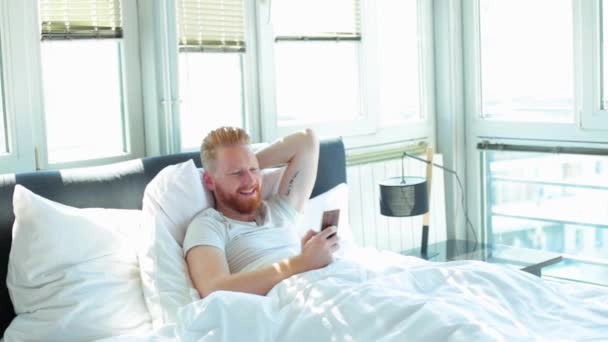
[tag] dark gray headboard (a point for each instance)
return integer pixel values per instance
(119, 185)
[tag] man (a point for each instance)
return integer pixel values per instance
(245, 244)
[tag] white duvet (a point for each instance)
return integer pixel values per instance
(381, 296)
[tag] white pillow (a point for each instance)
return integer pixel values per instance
(164, 272)
(174, 196)
(170, 202)
(335, 198)
(73, 274)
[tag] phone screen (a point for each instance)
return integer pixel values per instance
(330, 218)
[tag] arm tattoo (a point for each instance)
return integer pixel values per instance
(290, 185)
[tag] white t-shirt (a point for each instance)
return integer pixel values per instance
(248, 246)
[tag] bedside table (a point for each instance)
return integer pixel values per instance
(525, 259)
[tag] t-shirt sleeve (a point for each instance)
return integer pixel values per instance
(205, 231)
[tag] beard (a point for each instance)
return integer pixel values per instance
(239, 203)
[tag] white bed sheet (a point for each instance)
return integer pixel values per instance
(382, 296)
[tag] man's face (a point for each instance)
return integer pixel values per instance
(237, 179)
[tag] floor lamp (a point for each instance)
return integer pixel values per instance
(407, 196)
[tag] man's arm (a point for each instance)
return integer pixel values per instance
(209, 269)
(300, 151)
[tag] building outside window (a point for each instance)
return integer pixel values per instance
(548, 201)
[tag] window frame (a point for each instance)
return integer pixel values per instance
(3, 115)
(592, 116)
(25, 104)
(150, 86)
(17, 61)
(160, 76)
(368, 130)
(131, 97)
(486, 211)
(478, 129)
(489, 129)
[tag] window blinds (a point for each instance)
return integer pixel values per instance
(76, 19)
(316, 19)
(211, 25)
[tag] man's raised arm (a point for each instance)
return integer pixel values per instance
(300, 151)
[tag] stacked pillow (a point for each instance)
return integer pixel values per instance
(170, 202)
(73, 274)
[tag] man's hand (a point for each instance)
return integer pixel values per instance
(318, 250)
(309, 234)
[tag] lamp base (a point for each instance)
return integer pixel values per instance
(418, 254)
(427, 256)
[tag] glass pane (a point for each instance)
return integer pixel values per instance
(82, 99)
(551, 202)
(398, 68)
(527, 60)
(605, 53)
(210, 86)
(292, 17)
(316, 81)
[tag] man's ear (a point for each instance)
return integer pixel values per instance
(208, 181)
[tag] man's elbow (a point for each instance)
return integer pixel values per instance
(207, 287)
(204, 291)
(310, 139)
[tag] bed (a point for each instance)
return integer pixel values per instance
(116, 274)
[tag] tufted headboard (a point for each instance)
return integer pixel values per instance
(119, 185)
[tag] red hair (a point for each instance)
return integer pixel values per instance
(221, 137)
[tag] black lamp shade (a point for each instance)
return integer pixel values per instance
(403, 196)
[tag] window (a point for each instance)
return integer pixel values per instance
(361, 69)
(526, 67)
(398, 61)
(82, 73)
(305, 94)
(316, 61)
(83, 101)
(356, 70)
(532, 85)
(555, 202)
(211, 92)
(211, 38)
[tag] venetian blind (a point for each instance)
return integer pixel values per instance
(211, 25)
(316, 19)
(74, 19)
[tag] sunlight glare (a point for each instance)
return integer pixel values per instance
(82, 99)
(398, 64)
(527, 68)
(210, 87)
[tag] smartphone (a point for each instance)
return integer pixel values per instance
(330, 218)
